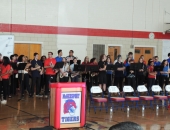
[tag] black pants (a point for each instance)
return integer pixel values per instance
(85, 77)
(48, 79)
(43, 81)
(24, 82)
(94, 80)
(109, 80)
(5, 87)
(75, 79)
(151, 81)
(14, 84)
(64, 79)
(132, 82)
(141, 79)
(163, 80)
(118, 81)
(36, 81)
(157, 80)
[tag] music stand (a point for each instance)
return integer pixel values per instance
(158, 68)
(111, 67)
(58, 65)
(21, 66)
(79, 68)
(78, 62)
(14, 66)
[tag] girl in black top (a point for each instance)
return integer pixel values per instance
(119, 73)
(43, 58)
(141, 72)
(102, 73)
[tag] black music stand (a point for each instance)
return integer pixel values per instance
(21, 67)
(111, 67)
(79, 68)
(58, 65)
(14, 66)
(78, 62)
(92, 68)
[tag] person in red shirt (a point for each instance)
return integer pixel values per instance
(4, 77)
(151, 75)
(50, 73)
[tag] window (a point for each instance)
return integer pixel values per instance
(147, 52)
(98, 50)
(137, 51)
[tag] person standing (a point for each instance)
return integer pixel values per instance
(59, 57)
(157, 63)
(50, 73)
(4, 77)
(36, 72)
(43, 58)
(70, 57)
(64, 72)
(109, 73)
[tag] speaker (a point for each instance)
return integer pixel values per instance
(44, 128)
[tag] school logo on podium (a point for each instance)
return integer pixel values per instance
(70, 107)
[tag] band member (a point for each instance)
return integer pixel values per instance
(14, 79)
(4, 77)
(130, 55)
(70, 57)
(36, 72)
(59, 57)
(142, 56)
(64, 72)
(0, 58)
(127, 65)
(16, 55)
(168, 61)
(93, 75)
(109, 73)
(102, 73)
(74, 74)
(23, 76)
(43, 58)
(85, 75)
(151, 75)
(157, 63)
(141, 73)
(164, 75)
(131, 75)
(50, 72)
(119, 73)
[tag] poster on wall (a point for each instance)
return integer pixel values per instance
(70, 107)
(165, 49)
(6, 45)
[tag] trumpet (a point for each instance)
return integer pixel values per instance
(61, 75)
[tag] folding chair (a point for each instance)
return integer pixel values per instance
(112, 100)
(93, 99)
(143, 89)
(129, 89)
(158, 89)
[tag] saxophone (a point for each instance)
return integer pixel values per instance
(36, 65)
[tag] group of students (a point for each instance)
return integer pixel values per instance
(42, 72)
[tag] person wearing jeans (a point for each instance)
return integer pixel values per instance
(36, 72)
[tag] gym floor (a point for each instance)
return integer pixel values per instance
(33, 113)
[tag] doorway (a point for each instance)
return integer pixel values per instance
(146, 51)
(113, 51)
(27, 49)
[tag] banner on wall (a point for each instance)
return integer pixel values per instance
(70, 107)
(165, 49)
(6, 45)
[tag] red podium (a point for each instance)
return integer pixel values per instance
(67, 105)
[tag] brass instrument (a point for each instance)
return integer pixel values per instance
(36, 66)
(74, 75)
(93, 74)
(61, 75)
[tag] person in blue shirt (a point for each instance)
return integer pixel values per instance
(157, 63)
(59, 57)
(164, 75)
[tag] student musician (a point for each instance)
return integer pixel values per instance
(74, 74)
(142, 56)
(102, 73)
(168, 60)
(14, 79)
(85, 75)
(36, 72)
(43, 58)
(4, 78)
(23, 76)
(164, 75)
(109, 73)
(130, 55)
(50, 73)
(64, 72)
(127, 65)
(141, 73)
(157, 63)
(70, 57)
(151, 75)
(119, 73)
(94, 75)
(59, 57)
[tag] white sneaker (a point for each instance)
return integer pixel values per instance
(4, 102)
